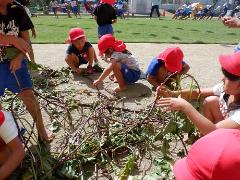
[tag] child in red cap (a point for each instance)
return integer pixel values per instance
(123, 65)
(213, 157)
(79, 51)
(166, 63)
(221, 107)
(11, 148)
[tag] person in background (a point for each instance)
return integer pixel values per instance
(75, 9)
(54, 5)
(105, 16)
(155, 5)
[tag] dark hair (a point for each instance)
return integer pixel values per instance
(127, 52)
(230, 76)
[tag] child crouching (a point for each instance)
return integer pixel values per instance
(80, 51)
(122, 63)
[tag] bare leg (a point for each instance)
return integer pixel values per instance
(211, 109)
(118, 74)
(33, 107)
(73, 62)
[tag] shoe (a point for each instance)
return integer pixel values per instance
(90, 69)
(97, 68)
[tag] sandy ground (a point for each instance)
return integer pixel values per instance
(202, 58)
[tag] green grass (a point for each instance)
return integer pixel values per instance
(52, 30)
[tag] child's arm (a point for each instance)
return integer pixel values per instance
(203, 124)
(152, 80)
(34, 33)
(16, 62)
(17, 155)
(105, 73)
(19, 43)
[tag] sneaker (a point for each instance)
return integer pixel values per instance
(90, 69)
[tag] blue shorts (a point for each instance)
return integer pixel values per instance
(75, 9)
(82, 61)
(106, 29)
(130, 75)
(8, 79)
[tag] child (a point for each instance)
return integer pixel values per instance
(105, 16)
(11, 148)
(124, 66)
(54, 5)
(75, 10)
(80, 51)
(213, 157)
(221, 108)
(14, 74)
(166, 63)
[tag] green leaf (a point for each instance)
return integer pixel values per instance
(170, 128)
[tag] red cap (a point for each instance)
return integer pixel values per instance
(172, 58)
(111, 2)
(108, 41)
(213, 157)
(231, 63)
(75, 33)
(2, 118)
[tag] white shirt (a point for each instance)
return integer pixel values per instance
(234, 115)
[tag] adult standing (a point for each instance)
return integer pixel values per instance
(155, 5)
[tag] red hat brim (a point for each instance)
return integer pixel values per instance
(69, 40)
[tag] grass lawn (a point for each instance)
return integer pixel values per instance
(166, 30)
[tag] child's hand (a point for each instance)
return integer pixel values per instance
(163, 91)
(78, 70)
(96, 82)
(177, 104)
(15, 65)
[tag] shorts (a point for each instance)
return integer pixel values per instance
(8, 79)
(130, 75)
(82, 61)
(54, 9)
(105, 29)
(75, 9)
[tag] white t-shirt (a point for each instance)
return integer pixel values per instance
(234, 115)
(130, 61)
(8, 128)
